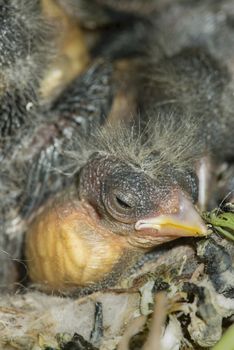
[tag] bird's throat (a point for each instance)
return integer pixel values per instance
(66, 246)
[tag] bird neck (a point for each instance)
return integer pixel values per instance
(67, 246)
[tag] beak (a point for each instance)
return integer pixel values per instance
(185, 223)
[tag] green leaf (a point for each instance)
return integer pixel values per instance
(227, 340)
(221, 222)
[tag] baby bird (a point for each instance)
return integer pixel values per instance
(116, 210)
(24, 36)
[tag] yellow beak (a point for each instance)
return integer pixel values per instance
(184, 223)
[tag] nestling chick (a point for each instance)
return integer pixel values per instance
(24, 36)
(125, 201)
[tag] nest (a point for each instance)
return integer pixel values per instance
(180, 296)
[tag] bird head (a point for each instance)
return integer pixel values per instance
(129, 202)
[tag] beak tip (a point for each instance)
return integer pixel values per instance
(203, 231)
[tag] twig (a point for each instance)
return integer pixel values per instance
(159, 317)
(134, 328)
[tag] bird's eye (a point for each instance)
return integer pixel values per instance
(122, 203)
(120, 206)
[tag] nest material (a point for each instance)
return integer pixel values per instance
(129, 316)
